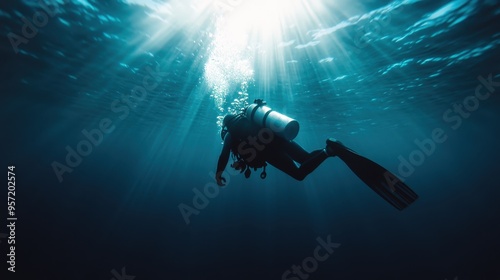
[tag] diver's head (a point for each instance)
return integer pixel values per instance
(227, 119)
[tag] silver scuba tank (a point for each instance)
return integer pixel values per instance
(280, 124)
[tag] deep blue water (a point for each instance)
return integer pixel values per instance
(380, 76)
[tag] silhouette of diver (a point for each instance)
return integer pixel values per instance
(259, 135)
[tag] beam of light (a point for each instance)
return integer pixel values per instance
(250, 41)
(228, 66)
(248, 35)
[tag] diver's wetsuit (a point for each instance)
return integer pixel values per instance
(241, 138)
(280, 153)
(284, 155)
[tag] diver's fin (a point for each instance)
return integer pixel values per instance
(379, 179)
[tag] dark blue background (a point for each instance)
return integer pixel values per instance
(119, 207)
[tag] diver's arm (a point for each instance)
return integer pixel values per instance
(223, 159)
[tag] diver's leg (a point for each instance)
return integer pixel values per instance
(296, 152)
(315, 159)
(281, 160)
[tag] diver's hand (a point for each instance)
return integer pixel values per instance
(239, 165)
(220, 180)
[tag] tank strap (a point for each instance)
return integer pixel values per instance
(264, 119)
(253, 112)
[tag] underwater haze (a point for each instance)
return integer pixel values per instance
(111, 115)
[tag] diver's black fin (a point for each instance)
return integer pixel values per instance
(379, 179)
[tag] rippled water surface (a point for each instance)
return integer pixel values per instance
(155, 78)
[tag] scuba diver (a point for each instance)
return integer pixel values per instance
(259, 136)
